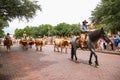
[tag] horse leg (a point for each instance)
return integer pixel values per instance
(75, 54)
(72, 53)
(90, 62)
(96, 61)
(96, 58)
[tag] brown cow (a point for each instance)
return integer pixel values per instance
(45, 40)
(38, 43)
(61, 43)
(24, 43)
(31, 41)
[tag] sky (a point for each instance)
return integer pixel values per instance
(57, 11)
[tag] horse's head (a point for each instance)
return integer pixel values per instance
(104, 35)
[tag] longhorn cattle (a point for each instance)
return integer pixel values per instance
(61, 43)
(31, 42)
(38, 43)
(24, 43)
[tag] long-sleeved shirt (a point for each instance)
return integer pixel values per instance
(84, 28)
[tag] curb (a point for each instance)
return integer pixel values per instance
(109, 52)
(106, 52)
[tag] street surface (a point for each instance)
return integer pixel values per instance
(19, 64)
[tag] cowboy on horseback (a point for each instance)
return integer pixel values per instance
(24, 35)
(7, 36)
(7, 42)
(91, 42)
(85, 28)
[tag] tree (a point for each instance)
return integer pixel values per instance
(75, 29)
(19, 33)
(108, 14)
(1, 33)
(62, 29)
(21, 9)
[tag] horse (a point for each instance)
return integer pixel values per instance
(8, 43)
(91, 42)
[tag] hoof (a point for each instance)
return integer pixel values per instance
(97, 66)
(71, 59)
(77, 61)
(76, 58)
(90, 63)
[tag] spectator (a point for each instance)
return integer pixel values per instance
(112, 40)
(101, 41)
(116, 41)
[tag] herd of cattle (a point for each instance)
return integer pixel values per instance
(58, 43)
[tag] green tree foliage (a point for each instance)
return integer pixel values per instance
(21, 9)
(61, 29)
(2, 24)
(1, 33)
(108, 13)
(10, 9)
(75, 29)
(19, 33)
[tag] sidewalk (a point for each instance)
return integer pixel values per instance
(109, 52)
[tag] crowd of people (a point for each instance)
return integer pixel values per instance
(115, 46)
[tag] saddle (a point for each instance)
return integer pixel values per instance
(83, 39)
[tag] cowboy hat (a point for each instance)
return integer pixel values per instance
(85, 21)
